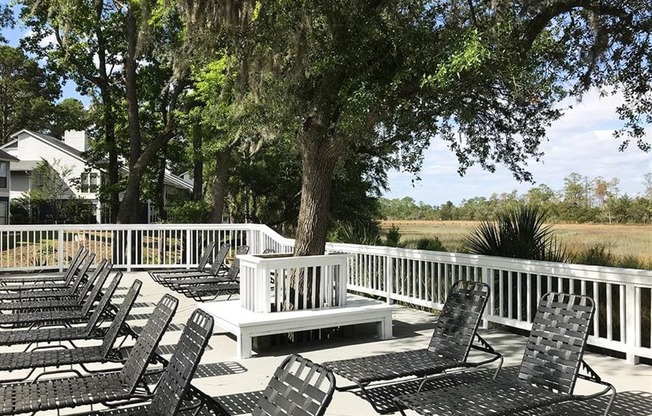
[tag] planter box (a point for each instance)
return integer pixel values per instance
(279, 282)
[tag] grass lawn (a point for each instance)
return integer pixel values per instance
(621, 239)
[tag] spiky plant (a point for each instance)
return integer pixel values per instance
(519, 232)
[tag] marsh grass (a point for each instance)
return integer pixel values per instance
(631, 244)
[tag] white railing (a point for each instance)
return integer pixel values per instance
(622, 296)
(129, 246)
(419, 277)
(273, 283)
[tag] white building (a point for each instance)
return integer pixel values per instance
(31, 148)
(5, 185)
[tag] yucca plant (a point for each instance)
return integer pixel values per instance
(519, 232)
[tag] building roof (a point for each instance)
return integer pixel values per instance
(29, 165)
(52, 141)
(24, 165)
(7, 156)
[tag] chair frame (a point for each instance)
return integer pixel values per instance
(216, 269)
(57, 355)
(62, 277)
(126, 384)
(48, 290)
(201, 265)
(66, 332)
(29, 319)
(72, 298)
(454, 336)
(552, 363)
(207, 289)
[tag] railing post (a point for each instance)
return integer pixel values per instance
(128, 250)
(60, 249)
(389, 278)
(486, 278)
(632, 307)
(190, 247)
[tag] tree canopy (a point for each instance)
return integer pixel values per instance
(343, 90)
(386, 78)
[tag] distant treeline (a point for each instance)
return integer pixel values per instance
(582, 200)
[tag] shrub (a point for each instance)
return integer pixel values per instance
(393, 237)
(601, 255)
(189, 212)
(518, 232)
(365, 234)
(432, 244)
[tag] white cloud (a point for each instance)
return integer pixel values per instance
(581, 142)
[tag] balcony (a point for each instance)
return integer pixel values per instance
(400, 277)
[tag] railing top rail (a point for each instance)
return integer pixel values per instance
(565, 270)
(111, 227)
(290, 261)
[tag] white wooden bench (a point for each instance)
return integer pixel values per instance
(246, 325)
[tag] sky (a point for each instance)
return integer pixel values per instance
(581, 141)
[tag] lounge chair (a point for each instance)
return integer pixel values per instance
(46, 299)
(217, 268)
(92, 329)
(450, 344)
(298, 387)
(23, 290)
(30, 318)
(548, 373)
(61, 277)
(48, 356)
(175, 380)
(209, 288)
(128, 383)
(201, 266)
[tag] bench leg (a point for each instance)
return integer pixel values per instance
(384, 328)
(244, 345)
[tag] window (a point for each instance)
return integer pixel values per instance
(4, 172)
(3, 213)
(90, 182)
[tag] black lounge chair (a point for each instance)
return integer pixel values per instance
(29, 317)
(201, 265)
(216, 269)
(92, 329)
(548, 373)
(43, 299)
(209, 288)
(175, 380)
(450, 344)
(47, 356)
(25, 290)
(61, 277)
(298, 387)
(126, 384)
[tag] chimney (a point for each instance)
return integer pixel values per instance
(76, 139)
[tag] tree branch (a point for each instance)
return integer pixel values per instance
(540, 21)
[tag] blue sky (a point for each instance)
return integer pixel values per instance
(581, 142)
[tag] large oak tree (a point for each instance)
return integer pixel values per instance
(484, 76)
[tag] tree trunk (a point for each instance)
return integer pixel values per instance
(222, 162)
(198, 163)
(318, 159)
(130, 206)
(160, 195)
(104, 85)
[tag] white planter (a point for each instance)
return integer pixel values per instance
(279, 282)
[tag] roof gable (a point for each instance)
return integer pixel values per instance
(50, 141)
(7, 157)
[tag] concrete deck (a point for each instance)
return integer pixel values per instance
(222, 374)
